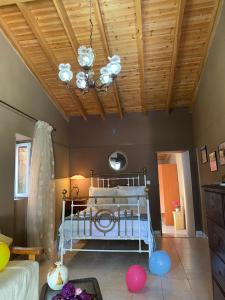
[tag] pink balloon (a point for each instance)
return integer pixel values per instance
(136, 278)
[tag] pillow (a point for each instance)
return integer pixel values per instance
(101, 192)
(5, 239)
(133, 191)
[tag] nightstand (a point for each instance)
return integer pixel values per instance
(178, 218)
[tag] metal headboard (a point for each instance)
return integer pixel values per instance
(130, 179)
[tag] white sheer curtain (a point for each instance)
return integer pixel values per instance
(41, 200)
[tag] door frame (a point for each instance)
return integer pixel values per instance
(188, 190)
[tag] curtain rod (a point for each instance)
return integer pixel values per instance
(21, 112)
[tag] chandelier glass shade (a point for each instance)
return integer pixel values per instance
(85, 79)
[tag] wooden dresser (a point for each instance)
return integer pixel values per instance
(215, 210)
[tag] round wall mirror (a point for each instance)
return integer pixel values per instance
(118, 161)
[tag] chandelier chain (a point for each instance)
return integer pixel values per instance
(91, 23)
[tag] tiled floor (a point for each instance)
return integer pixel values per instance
(189, 278)
(169, 231)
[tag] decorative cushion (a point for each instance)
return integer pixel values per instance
(125, 192)
(6, 239)
(133, 191)
(102, 192)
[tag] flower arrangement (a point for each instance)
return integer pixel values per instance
(69, 292)
(176, 205)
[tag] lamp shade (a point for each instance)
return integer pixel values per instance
(114, 68)
(65, 73)
(77, 177)
(85, 57)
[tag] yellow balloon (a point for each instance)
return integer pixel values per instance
(4, 255)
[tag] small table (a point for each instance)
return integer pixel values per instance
(89, 284)
(178, 218)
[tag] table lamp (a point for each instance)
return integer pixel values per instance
(75, 187)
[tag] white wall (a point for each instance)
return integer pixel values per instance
(185, 189)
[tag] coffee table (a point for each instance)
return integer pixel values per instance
(89, 284)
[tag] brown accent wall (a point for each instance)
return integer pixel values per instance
(140, 137)
(209, 109)
(19, 88)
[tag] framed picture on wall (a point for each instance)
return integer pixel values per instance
(204, 156)
(213, 161)
(221, 149)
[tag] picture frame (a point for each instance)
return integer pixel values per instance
(221, 151)
(204, 155)
(213, 161)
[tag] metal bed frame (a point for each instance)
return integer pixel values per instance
(94, 218)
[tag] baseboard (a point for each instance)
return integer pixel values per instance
(157, 232)
(200, 233)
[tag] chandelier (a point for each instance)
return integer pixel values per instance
(85, 79)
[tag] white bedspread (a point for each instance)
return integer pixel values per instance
(128, 198)
(113, 234)
(20, 281)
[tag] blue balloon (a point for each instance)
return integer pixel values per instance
(159, 263)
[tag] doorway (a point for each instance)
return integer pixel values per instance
(176, 198)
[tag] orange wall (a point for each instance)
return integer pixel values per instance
(169, 190)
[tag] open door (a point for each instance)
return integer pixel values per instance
(176, 197)
(169, 191)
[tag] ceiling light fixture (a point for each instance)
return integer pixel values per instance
(85, 79)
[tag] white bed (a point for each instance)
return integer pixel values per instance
(111, 235)
(112, 213)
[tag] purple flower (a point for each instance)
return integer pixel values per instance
(68, 291)
(78, 291)
(85, 296)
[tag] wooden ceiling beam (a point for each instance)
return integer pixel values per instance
(51, 58)
(66, 24)
(212, 30)
(30, 65)
(140, 46)
(30, 20)
(99, 103)
(101, 27)
(10, 2)
(176, 45)
(74, 43)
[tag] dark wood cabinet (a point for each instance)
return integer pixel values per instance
(215, 209)
(218, 294)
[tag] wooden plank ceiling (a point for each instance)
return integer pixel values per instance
(163, 46)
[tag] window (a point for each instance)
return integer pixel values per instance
(22, 166)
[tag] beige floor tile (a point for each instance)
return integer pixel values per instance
(185, 295)
(194, 262)
(176, 272)
(112, 292)
(198, 273)
(201, 288)
(148, 294)
(187, 280)
(175, 285)
(154, 283)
